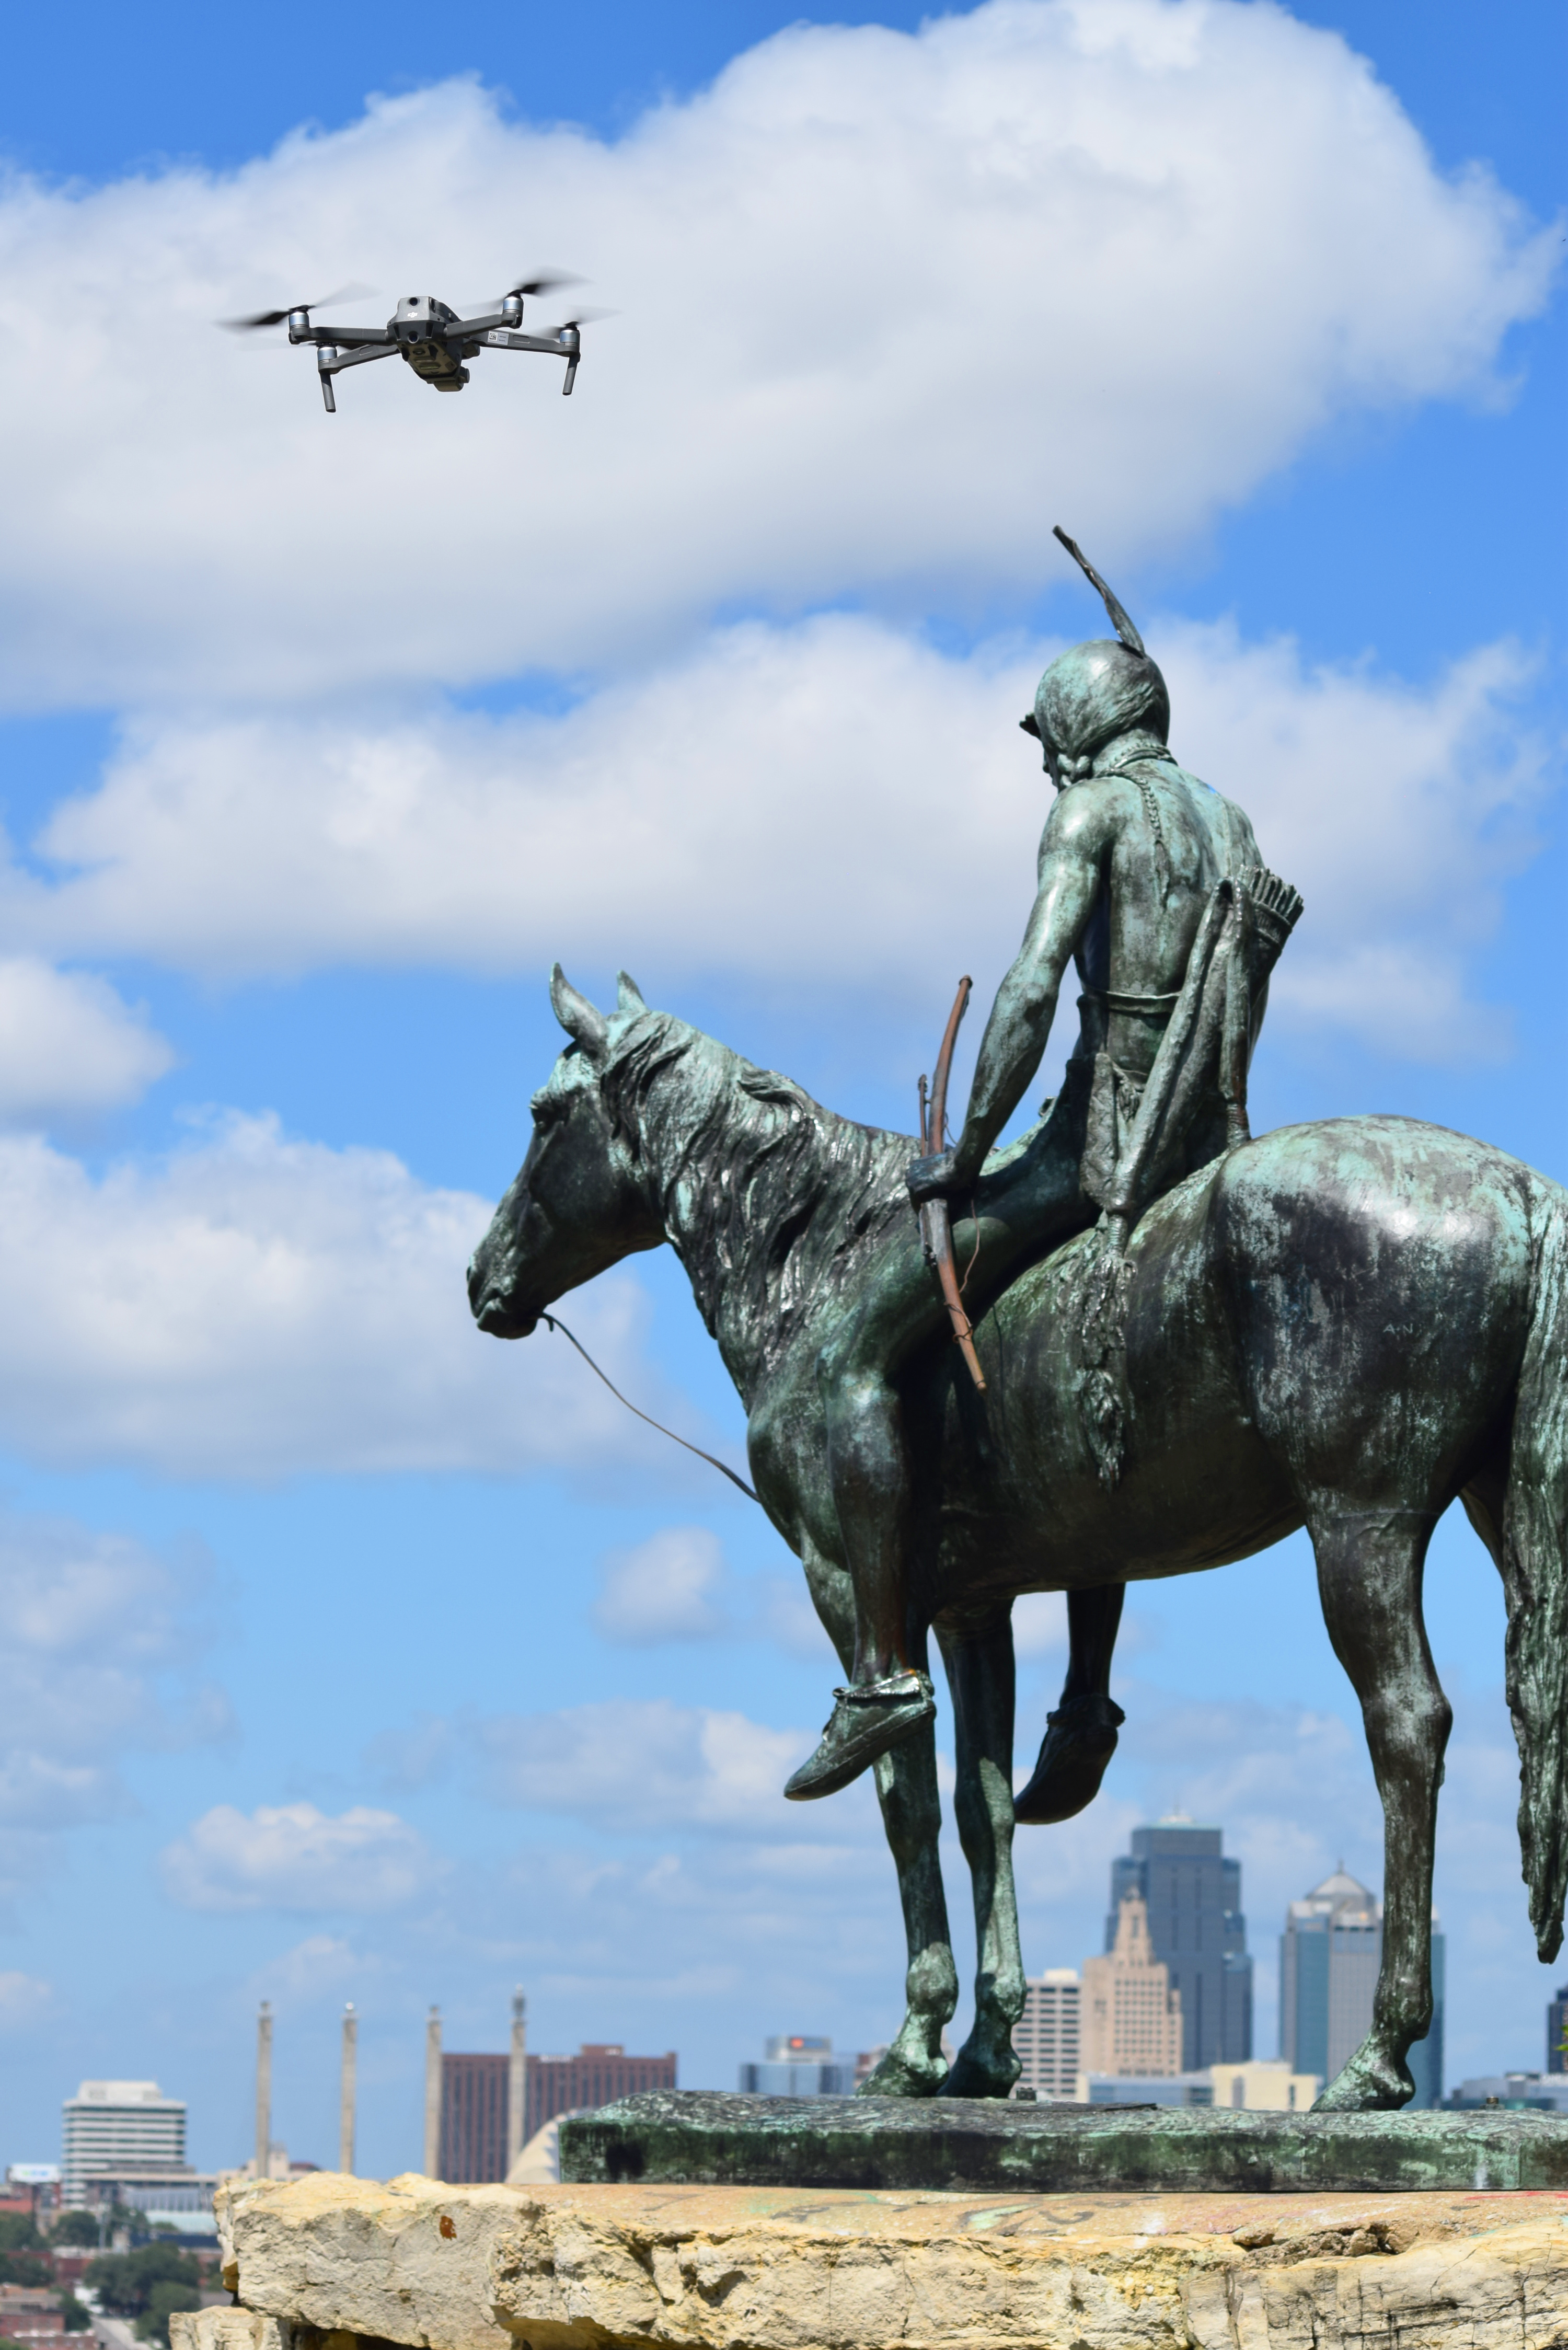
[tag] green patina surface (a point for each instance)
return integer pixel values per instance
(694, 2137)
(1346, 1326)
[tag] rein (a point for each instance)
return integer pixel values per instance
(550, 1321)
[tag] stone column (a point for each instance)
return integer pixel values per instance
(433, 2094)
(263, 2092)
(349, 2085)
(517, 2078)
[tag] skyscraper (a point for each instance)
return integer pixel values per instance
(1557, 2032)
(1132, 2020)
(1046, 2036)
(1193, 1896)
(119, 2126)
(1329, 1956)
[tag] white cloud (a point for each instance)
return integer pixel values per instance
(678, 1585)
(23, 2000)
(293, 1856)
(645, 1763)
(69, 1045)
(719, 814)
(865, 347)
(671, 1587)
(256, 1307)
(1039, 1623)
(98, 1639)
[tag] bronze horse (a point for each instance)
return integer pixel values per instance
(1341, 1326)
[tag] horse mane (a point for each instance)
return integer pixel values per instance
(770, 1201)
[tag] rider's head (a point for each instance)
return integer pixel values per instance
(1091, 695)
(1097, 691)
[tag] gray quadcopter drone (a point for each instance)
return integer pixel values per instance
(432, 338)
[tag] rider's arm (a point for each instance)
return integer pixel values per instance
(1077, 841)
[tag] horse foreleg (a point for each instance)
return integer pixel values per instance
(1369, 1577)
(981, 1677)
(914, 2065)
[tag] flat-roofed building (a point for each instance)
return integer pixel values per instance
(798, 2064)
(474, 2098)
(1260, 2087)
(118, 2126)
(600, 2070)
(1046, 2038)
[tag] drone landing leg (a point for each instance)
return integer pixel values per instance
(324, 353)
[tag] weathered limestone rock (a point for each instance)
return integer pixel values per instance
(407, 2261)
(702, 2267)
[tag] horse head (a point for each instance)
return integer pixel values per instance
(578, 1204)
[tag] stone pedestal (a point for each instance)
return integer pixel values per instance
(335, 2264)
(698, 2138)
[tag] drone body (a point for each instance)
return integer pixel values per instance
(429, 335)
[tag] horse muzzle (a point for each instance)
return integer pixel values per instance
(499, 1321)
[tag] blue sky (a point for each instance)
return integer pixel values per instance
(318, 741)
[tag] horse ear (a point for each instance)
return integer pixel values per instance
(582, 1021)
(628, 993)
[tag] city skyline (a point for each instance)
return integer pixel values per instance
(351, 1656)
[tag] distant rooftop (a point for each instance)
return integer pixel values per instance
(121, 2093)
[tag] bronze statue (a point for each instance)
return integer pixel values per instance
(1343, 1326)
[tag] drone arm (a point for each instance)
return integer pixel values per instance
(508, 341)
(339, 361)
(346, 337)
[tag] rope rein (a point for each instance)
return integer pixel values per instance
(553, 1322)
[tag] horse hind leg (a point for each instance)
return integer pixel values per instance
(980, 1668)
(1369, 1568)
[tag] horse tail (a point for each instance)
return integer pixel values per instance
(1535, 1575)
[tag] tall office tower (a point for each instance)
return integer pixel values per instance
(1557, 2032)
(1193, 1896)
(1046, 2036)
(1330, 1953)
(475, 2097)
(1131, 2017)
(118, 2126)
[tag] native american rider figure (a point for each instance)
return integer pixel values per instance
(1152, 883)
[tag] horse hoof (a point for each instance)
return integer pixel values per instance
(1080, 1738)
(901, 2075)
(1370, 2084)
(974, 2076)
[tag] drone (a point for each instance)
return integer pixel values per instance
(429, 335)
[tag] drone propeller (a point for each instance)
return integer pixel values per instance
(542, 281)
(583, 318)
(276, 317)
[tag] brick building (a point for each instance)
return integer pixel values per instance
(475, 2097)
